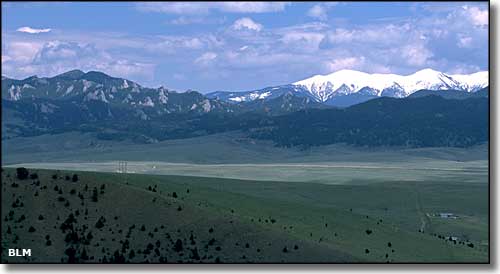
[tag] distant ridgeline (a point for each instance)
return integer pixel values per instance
(448, 114)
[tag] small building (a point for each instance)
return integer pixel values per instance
(447, 215)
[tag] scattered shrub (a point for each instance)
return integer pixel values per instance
(178, 245)
(100, 222)
(22, 173)
(94, 195)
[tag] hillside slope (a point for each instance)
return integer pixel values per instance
(142, 218)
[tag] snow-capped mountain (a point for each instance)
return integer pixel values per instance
(268, 93)
(345, 82)
(348, 87)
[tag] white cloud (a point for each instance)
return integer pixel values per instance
(33, 30)
(196, 19)
(206, 7)
(206, 58)
(246, 23)
(22, 51)
(345, 63)
(182, 20)
(464, 41)
(308, 41)
(464, 69)
(399, 45)
(126, 69)
(55, 57)
(193, 43)
(477, 16)
(252, 59)
(416, 54)
(359, 62)
(5, 58)
(252, 7)
(318, 11)
(386, 34)
(173, 44)
(174, 7)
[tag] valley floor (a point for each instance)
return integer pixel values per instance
(334, 203)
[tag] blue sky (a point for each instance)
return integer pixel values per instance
(241, 45)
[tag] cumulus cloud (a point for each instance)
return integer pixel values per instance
(416, 55)
(308, 41)
(449, 39)
(21, 51)
(55, 57)
(207, 7)
(246, 23)
(32, 30)
(318, 11)
(478, 17)
(345, 63)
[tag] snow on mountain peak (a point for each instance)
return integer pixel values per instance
(342, 82)
(472, 81)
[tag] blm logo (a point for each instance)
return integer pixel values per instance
(20, 252)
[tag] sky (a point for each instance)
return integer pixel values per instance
(241, 46)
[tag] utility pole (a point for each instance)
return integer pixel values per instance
(122, 168)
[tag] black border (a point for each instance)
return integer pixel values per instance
(492, 47)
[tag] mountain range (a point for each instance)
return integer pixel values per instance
(348, 87)
(118, 109)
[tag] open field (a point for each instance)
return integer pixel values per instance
(227, 148)
(336, 203)
(232, 156)
(327, 173)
